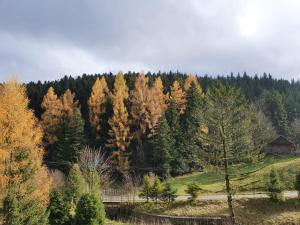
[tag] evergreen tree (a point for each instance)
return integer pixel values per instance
(193, 189)
(275, 187)
(274, 109)
(75, 183)
(191, 126)
(162, 145)
(297, 183)
(156, 189)
(192, 79)
(89, 211)
(178, 164)
(59, 208)
(168, 193)
(70, 143)
(227, 116)
(24, 182)
(146, 188)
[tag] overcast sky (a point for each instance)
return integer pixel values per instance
(47, 39)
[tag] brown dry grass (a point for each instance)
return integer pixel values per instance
(248, 211)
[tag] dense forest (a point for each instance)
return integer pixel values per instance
(154, 122)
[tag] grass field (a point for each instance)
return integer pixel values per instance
(245, 178)
(248, 212)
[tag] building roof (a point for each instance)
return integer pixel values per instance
(281, 140)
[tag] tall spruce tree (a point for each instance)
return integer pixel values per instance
(192, 126)
(70, 142)
(229, 125)
(177, 163)
(162, 145)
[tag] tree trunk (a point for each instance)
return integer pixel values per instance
(228, 189)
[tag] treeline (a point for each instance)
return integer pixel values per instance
(152, 122)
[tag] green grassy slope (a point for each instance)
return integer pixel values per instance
(244, 177)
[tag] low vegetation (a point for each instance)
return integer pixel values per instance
(248, 211)
(244, 177)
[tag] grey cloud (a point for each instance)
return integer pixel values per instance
(48, 39)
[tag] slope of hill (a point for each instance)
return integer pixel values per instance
(244, 177)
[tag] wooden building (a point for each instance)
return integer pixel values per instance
(281, 146)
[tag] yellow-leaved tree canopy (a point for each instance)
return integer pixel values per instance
(178, 95)
(192, 79)
(119, 124)
(97, 103)
(24, 181)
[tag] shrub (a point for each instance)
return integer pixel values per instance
(89, 211)
(156, 189)
(297, 183)
(59, 208)
(168, 193)
(275, 187)
(193, 190)
(146, 188)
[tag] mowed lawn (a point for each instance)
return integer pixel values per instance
(244, 177)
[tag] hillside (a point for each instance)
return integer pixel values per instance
(245, 177)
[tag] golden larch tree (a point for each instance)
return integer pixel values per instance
(21, 169)
(156, 104)
(138, 101)
(119, 124)
(69, 104)
(51, 117)
(178, 95)
(192, 79)
(97, 103)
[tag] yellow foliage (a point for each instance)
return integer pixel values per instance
(192, 79)
(69, 105)
(119, 132)
(20, 140)
(97, 103)
(178, 95)
(51, 117)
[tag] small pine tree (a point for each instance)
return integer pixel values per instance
(297, 183)
(89, 211)
(168, 193)
(146, 188)
(75, 184)
(193, 190)
(59, 209)
(156, 189)
(275, 187)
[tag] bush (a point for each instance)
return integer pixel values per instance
(193, 190)
(297, 183)
(89, 211)
(168, 193)
(275, 187)
(146, 188)
(59, 209)
(156, 189)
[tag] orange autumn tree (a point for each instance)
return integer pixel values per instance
(97, 104)
(156, 104)
(138, 101)
(119, 123)
(69, 104)
(51, 117)
(25, 183)
(192, 79)
(178, 95)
